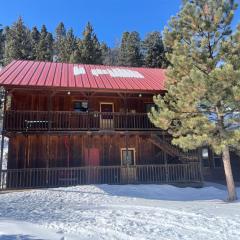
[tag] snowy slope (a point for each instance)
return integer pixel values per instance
(119, 212)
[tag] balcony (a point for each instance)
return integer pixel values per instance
(53, 121)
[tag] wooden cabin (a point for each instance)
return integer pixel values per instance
(71, 124)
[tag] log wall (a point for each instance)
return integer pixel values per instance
(63, 102)
(40, 151)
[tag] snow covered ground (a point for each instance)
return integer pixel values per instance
(119, 212)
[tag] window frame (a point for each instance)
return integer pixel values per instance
(80, 101)
(134, 156)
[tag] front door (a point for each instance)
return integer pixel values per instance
(106, 117)
(128, 169)
(92, 159)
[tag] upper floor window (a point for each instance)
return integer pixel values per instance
(80, 106)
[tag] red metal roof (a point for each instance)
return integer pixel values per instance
(29, 74)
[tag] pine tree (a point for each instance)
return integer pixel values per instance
(154, 55)
(45, 45)
(105, 54)
(109, 55)
(202, 100)
(123, 50)
(90, 47)
(35, 38)
(69, 46)
(130, 50)
(2, 43)
(75, 56)
(59, 45)
(18, 42)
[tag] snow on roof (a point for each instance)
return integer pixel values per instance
(117, 72)
(81, 76)
(78, 70)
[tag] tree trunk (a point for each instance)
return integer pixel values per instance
(232, 195)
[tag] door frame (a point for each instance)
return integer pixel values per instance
(134, 155)
(106, 123)
(110, 103)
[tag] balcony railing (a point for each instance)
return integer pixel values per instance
(75, 121)
(55, 177)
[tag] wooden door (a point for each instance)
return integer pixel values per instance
(106, 117)
(128, 169)
(92, 159)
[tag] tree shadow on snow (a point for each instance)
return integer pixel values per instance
(18, 237)
(153, 192)
(165, 192)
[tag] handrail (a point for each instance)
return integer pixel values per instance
(68, 176)
(74, 121)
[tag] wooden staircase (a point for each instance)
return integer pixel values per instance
(170, 149)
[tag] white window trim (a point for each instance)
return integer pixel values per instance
(134, 155)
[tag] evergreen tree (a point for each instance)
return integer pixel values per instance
(69, 46)
(35, 38)
(201, 104)
(59, 45)
(123, 50)
(75, 56)
(154, 55)
(109, 56)
(90, 46)
(130, 50)
(105, 54)
(18, 42)
(45, 45)
(2, 42)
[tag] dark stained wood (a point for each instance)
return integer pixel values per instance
(69, 150)
(45, 132)
(39, 101)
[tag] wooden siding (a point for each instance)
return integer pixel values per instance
(40, 151)
(38, 101)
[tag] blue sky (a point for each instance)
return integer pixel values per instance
(109, 17)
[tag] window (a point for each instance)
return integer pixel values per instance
(80, 106)
(217, 161)
(148, 106)
(128, 156)
(205, 157)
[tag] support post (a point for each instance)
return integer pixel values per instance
(48, 158)
(49, 111)
(48, 135)
(200, 164)
(126, 123)
(88, 159)
(166, 163)
(3, 128)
